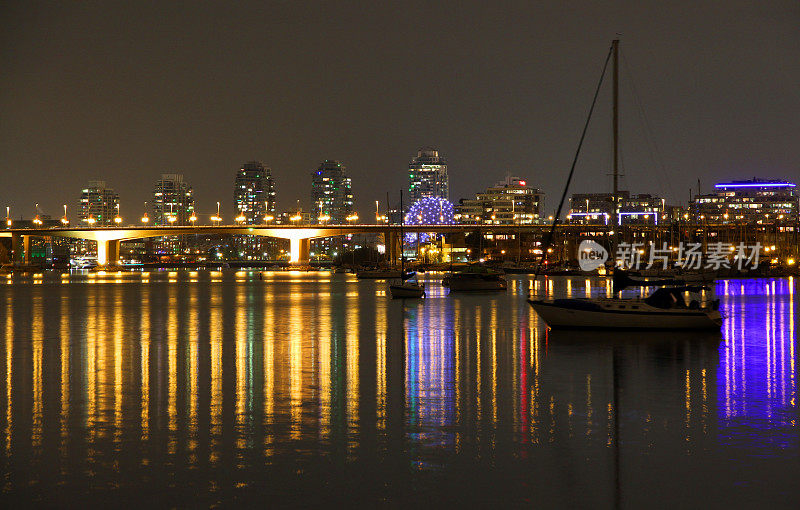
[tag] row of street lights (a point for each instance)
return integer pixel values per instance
(216, 219)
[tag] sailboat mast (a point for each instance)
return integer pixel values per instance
(615, 125)
(402, 255)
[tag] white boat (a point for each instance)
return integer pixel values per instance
(407, 289)
(665, 308)
(378, 274)
(82, 262)
(475, 278)
(406, 286)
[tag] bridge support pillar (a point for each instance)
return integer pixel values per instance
(113, 253)
(390, 239)
(108, 252)
(300, 251)
(26, 248)
(16, 249)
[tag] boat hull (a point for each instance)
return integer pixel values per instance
(565, 317)
(406, 291)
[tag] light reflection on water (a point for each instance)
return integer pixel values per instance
(310, 388)
(758, 388)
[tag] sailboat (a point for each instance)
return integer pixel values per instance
(406, 287)
(674, 305)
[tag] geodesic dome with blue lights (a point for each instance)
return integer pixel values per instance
(429, 211)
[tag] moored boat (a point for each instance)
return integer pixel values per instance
(378, 274)
(665, 308)
(406, 286)
(407, 289)
(475, 278)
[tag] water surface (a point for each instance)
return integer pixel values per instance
(227, 388)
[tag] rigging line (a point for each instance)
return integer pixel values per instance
(655, 153)
(572, 169)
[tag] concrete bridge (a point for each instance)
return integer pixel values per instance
(109, 238)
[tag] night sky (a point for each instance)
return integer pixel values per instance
(124, 93)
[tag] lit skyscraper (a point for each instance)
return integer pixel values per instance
(98, 203)
(254, 192)
(332, 192)
(172, 198)
(427, 176)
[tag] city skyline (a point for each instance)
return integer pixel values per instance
(506, 99)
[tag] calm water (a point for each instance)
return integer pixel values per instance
(197, 389)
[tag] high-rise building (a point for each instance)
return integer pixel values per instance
(427, 176)
(254, 193)
(509, 202)
(598, 209)
(331, 192)
(98, 205)
(752, 201)
(173, 201)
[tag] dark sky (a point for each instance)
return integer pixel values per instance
(105, 90)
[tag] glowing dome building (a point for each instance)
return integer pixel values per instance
(429, 211)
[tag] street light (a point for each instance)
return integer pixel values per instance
(192, 218)
(36, 220)
(241, 218)
(268, 218)
(216, 218)
(90, 220)
(8, 216)
(64, 220)
(117, 218)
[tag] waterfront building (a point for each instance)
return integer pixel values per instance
(331, 193)
(509, 202)
(172, 205)
(173, 201)
(427, 176)
(642, 209)
(98, 205)
(254, 200)
(254, 193)
(749, 201)
(598, 209)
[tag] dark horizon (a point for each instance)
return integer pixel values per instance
(124, 93)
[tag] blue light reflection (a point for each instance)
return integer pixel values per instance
(757, 386)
